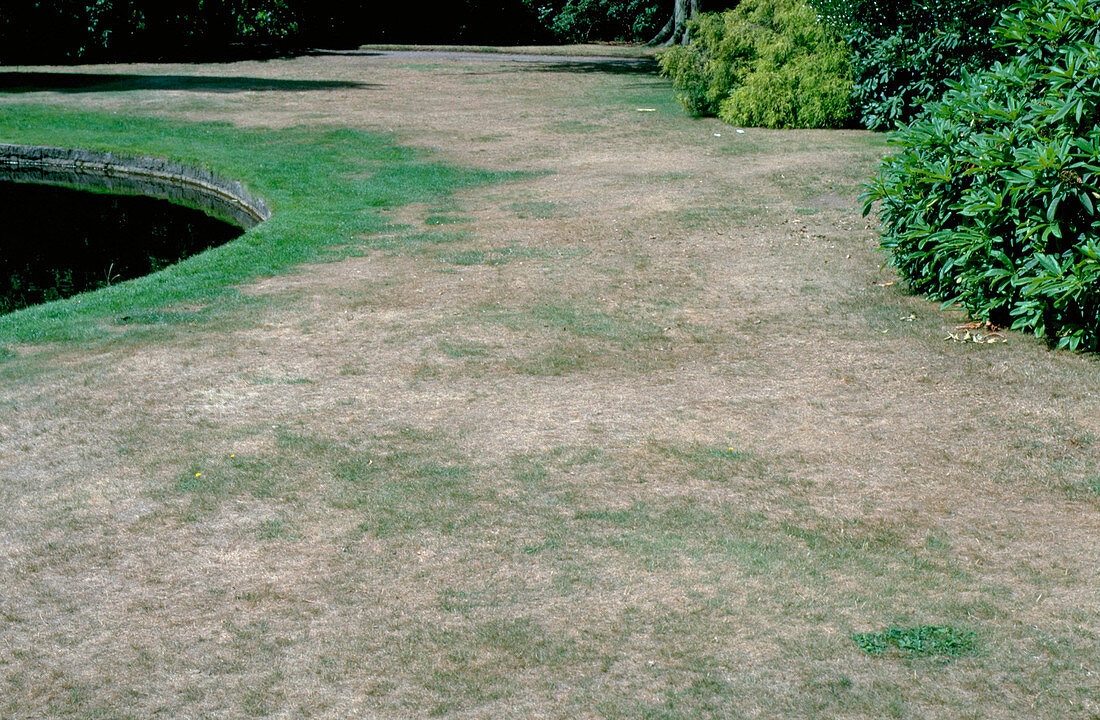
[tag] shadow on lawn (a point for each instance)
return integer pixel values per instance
(522, 61)
(639, 66)
(71, 82)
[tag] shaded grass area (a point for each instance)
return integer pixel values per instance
(582, 50)
(69, 82)
(326, 186)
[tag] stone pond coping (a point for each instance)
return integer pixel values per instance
(156, 177)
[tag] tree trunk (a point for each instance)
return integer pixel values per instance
(676, 29)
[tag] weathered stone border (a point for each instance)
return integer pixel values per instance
(145, 175)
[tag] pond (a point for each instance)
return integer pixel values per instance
(58, 240)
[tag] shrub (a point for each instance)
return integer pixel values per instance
(904, 54)
(991, 200)
(767, 62)
(703, 72)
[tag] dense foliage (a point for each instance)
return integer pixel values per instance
(585, 20)
(68, 30)
(904, 53)
(349, 23)
(765, 63)
(991, 200)
(52, 31)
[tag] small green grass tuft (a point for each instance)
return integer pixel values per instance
(943, 640)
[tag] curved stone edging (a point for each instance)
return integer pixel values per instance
(146, 175)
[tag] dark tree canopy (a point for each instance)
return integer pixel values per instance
(55, 31)
(74, 30)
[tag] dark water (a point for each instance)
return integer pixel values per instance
(58, 241)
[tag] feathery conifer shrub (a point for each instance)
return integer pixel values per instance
(767, 63)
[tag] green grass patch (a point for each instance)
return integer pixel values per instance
(278, 528)
(404, 482)
(622, 330)
(674, 176)
(575, 126)
(327, 187)
(736, 146)
(459, 601)
(445, 220)
(577, 331)
(399, 482)
(721, 464)
(476, 257)
(943, 640)
(204, 483)
(706, 696)
(1087, 487)
(525, 642)
(538, 209)
(501, 256)
(560, 359)
(417, 243)
(215, 480)
(697, 218)
(464, 349)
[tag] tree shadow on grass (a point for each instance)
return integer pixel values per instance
(516, 60)
(631, 66)
(71, 82)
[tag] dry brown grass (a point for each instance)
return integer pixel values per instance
(652, 442)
